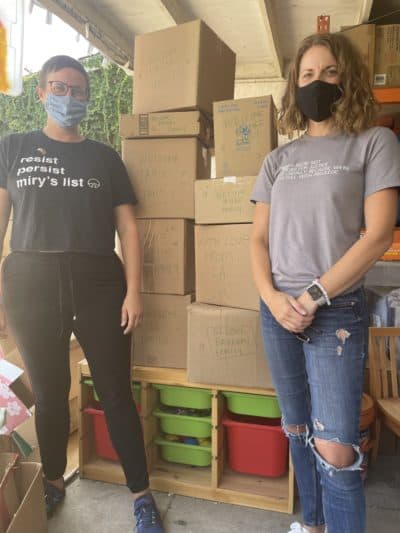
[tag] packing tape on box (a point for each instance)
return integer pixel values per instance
(230, 179)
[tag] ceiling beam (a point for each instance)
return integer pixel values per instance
(176, 11)
(86, 20)
(269, 20)
(365, 11)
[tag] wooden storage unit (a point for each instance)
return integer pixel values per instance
(216, 482)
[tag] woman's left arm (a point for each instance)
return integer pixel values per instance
(380, 211)
(132, 307)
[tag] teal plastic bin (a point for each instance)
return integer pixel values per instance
(183, 425)
(187, 454)
(184, 397)
(253, 404)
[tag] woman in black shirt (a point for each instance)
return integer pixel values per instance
(69, 195)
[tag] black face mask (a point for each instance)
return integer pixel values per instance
(315, 100)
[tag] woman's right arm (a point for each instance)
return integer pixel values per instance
(5, 209)
(285, 308)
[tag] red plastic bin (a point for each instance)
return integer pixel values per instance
(256, 445)
(104, 447)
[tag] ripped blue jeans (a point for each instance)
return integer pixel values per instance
(319, 386)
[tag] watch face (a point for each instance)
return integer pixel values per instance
(315, 292)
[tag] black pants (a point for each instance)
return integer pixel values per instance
(46, 297)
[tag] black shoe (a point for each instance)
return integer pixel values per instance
(53, 496)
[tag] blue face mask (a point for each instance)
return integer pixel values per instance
(65, 110)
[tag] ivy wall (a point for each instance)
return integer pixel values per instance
(111, 95)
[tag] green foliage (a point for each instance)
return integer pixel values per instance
(111, 95)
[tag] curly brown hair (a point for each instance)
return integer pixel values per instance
(355, 111)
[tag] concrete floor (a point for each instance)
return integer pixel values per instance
(93, 507)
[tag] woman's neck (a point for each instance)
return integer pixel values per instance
(57, 133)
(321, 129)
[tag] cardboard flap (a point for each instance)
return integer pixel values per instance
(9, 496)
(31, 514)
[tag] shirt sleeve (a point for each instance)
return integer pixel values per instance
(382, 169)
(122, 190)
(4, 143)
(264, 182)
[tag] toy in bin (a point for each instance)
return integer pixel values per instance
(188, 440)
(185, 450)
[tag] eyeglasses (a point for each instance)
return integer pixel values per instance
(59, 88)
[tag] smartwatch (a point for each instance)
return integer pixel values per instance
(318, 294)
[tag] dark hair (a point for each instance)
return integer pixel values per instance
(356, 109)
(56, 63)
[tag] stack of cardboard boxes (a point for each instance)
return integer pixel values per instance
(380, 48)
(225, 344)
(179, 73)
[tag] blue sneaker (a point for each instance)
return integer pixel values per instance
(53, 496)
(148, 519)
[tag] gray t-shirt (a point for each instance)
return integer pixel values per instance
(316, 187)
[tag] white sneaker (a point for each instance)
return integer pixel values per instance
(296, 527)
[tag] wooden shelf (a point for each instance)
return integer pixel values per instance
(98, 469)
(264, 493)
(387, 95)
(177, 377)
(216, 482)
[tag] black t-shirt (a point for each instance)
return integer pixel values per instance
(63, 194)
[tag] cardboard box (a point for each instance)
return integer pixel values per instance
(245, 132)
(225, 347)
(387, 56)
(224, 201)
(223, 269)
(163, 172)
(167, 124)
(167, 255)
(9, 497)
(182, 67)
(161, 340)
(363, 37)
(31, 514)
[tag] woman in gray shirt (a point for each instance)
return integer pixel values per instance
(312, 197)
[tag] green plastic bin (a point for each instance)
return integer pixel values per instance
(89, 383)
(186, 426)
(135, 388)
(187, 454)
(184, 397)
(252, 404)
